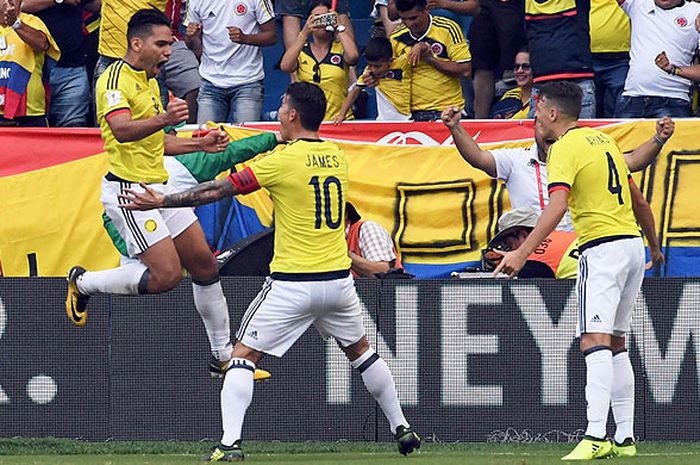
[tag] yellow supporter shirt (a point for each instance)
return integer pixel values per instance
(432, 89)
(308, 184)
(517, 93)
(115, 16)
(23, 73)
(395, 89)
(589, 164)
(123, 88)
(610, 27)
(330, 74)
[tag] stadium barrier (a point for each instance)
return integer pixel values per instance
(408, 177)
(474, 360)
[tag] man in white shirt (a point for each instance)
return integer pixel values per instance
(524, 170)
(658, 26)
(227, 36)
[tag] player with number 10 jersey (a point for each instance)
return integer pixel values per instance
(307, 180)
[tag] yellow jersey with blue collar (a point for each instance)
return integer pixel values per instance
(395, 88)
(589, 164)
(330, 74)
(123, 88)
(432, 89)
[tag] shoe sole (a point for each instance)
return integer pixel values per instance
(74, 316)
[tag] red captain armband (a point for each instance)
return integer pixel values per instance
(244, 181)
(557, 186)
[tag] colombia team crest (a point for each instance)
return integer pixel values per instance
(681, 21)
(241, 9)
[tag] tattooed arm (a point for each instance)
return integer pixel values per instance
(207, 192)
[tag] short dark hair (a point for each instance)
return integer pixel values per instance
(565, 95)
(378, 48)
(309, 101)
(142, 22)
(406, 5)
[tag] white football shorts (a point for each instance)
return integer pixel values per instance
(609, 279)
(284, 310)
(142, 229)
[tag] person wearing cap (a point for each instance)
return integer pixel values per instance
(369, 245)
(555, 257)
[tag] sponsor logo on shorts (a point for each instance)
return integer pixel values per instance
(681, 21)
(596, 319)
(241, 9)
(150, 225)
(436, 48)
(253, 334)
(336, 59)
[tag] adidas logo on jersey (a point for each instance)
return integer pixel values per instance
(253, 335)
(596, 319)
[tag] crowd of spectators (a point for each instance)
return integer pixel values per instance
(631, 58)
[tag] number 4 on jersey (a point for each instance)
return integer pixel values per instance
(614, 185)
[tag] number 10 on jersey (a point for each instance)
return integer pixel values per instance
(324, 201)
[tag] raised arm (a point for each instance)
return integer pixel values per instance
(470, 151)
(639, 158)
(213, 142)
(9, 16)
(289, 63)
(350, 52)
(265, 38)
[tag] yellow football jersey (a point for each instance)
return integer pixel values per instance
(432, 89)
(115, 16)
(395, 86)
(330, 74)
(124, 88)
(609, 27)
(308, 184)
(589, 164)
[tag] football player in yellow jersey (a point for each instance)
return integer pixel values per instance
(132, 122)
(587, 172)
(310, 281)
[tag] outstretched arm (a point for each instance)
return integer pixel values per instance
(639, 158)
(470, 151)
(150, 199)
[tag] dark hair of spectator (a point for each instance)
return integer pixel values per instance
(309, 101)
(378, 49)
(564, 95)
(523, 49)
(142, 22)
(315, 3)
(406, 5)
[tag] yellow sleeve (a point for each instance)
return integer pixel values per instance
(110, 92)
(561, 167)
(458, 50)
(53, 51)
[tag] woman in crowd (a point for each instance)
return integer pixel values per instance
(325, 60)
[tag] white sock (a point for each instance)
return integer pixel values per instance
(211, 305)
(379, 382)
(599, 380)
(622, 397)
(236, 395)
(121, 280)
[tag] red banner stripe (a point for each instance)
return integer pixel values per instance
(29, 149)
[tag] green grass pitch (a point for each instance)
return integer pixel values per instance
(66, 452)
